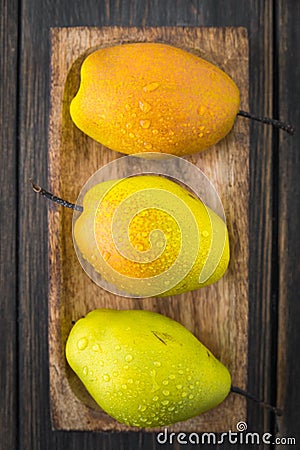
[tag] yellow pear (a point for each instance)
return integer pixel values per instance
(145, 369)
(150, 236)
(152, 97)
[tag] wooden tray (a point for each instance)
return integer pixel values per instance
(218, 314)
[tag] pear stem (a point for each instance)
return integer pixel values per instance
(246, 394)
(267, 120)
(55, 199)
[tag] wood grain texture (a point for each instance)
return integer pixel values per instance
(257, 15)
(289, 224)
(261, 336)
(217, 315)
(8, 222)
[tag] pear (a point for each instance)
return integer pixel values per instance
(150, 236)
(152, 97)
(145, 369)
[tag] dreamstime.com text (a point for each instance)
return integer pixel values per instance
(239, 437)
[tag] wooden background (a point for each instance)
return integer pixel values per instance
(273, 363)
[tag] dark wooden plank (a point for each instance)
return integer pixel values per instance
(261, 334)
(8, 222)
(288, 374)
(257, 16)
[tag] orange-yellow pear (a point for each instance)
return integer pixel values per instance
(145, 369)
(151, 97)
(149, 236)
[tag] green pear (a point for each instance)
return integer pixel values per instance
(145, 369)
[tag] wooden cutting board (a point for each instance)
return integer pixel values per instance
(218, 314)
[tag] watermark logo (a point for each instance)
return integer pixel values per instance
(239, 437)
(137, 235)
(241, 426)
